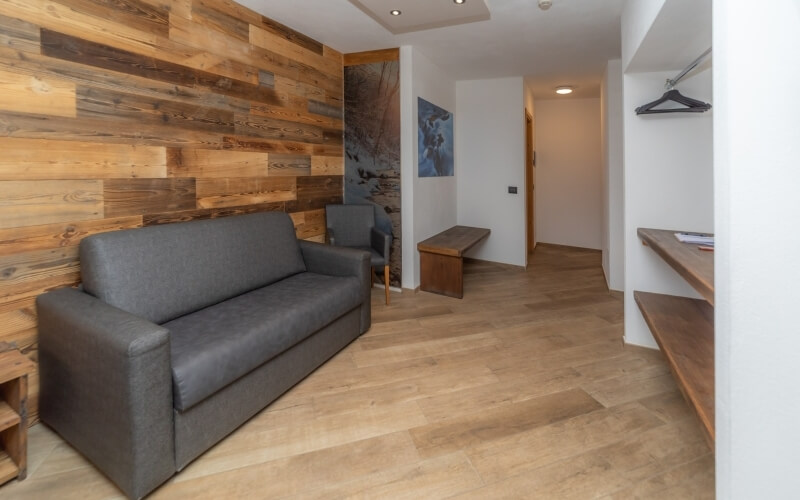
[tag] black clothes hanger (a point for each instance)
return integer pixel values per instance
(691, 105)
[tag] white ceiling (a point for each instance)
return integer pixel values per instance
(568, 44)
(419, 15)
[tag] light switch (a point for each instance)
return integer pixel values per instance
(512, 189)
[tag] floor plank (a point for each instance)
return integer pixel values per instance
(523, 389)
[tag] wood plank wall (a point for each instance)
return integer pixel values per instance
(126, 113)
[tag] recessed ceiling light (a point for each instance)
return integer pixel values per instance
(395, 12)
(563, 90)
(459, 2)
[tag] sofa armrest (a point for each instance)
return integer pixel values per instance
(381, 243)
(342, 261)
(106, 387)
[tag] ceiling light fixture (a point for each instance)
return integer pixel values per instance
(545, 4)
(564, 90)
(395, 12)
(459, 2)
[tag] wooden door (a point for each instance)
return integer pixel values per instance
(529, 182)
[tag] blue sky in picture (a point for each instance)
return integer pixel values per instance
(435, 139)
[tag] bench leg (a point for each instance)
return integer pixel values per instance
(386, 282)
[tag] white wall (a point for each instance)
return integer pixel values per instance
(668, 185)
(757, 272)
(668, 158)
(408, 133)
(490, 156)
(638, 17)
(569, 204)
(613, 195)
(428, 204)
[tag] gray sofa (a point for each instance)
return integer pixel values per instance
(180, 333)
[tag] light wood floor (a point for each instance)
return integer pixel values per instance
(523, 389)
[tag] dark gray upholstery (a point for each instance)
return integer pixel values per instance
(106, 387)
(215, 346)
(351, 224)
(185, 267)
(206, 423)
(354, 226)
(266, 314)
(336, 261)
(375, 259)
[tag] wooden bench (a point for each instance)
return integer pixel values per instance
(441, 259)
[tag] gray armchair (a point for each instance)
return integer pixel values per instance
(354, 226)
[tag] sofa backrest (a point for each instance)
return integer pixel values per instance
(163, 272)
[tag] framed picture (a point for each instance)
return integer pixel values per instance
(435, 140)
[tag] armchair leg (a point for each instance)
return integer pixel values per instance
(386, 282)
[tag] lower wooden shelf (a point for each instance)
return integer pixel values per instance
(684, 329)
(8, 469)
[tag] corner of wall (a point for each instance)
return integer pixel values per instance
(407, 167)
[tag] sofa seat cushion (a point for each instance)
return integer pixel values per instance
(215, 346)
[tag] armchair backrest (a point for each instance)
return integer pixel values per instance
(351, 224)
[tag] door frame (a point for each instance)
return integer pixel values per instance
(530, 240)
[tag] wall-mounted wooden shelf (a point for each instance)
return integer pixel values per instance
(694, 265)
(684, 330)
(684, 327)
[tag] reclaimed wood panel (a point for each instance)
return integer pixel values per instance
(327, 165)
(19, 35)
(131, 108)
(371, 56)
(314, 192)
(43, 159)
(210, 213)
(218, 16)
(30, 94)
(309, 224)
(82, 74)
(279, 44)
(134, 13)
(26, 267)
(143, 196)
(291, 35)
(232, 192)
(75, 49)
(300, 113)
(266, 128)
(210, 163)
(118, 114)
(289, 165)
(28, 203)
(63, 234)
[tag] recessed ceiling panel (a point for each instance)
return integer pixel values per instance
(418, 15)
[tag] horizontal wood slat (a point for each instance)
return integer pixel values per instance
(143, 196)
(50, 159)
(118, 114)
(30, 94)
(25, 239)
(19, 35)
(185, 162)
(26, 203)
(136, 14)
(289, 165)
(371, 56)
(233, 192)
